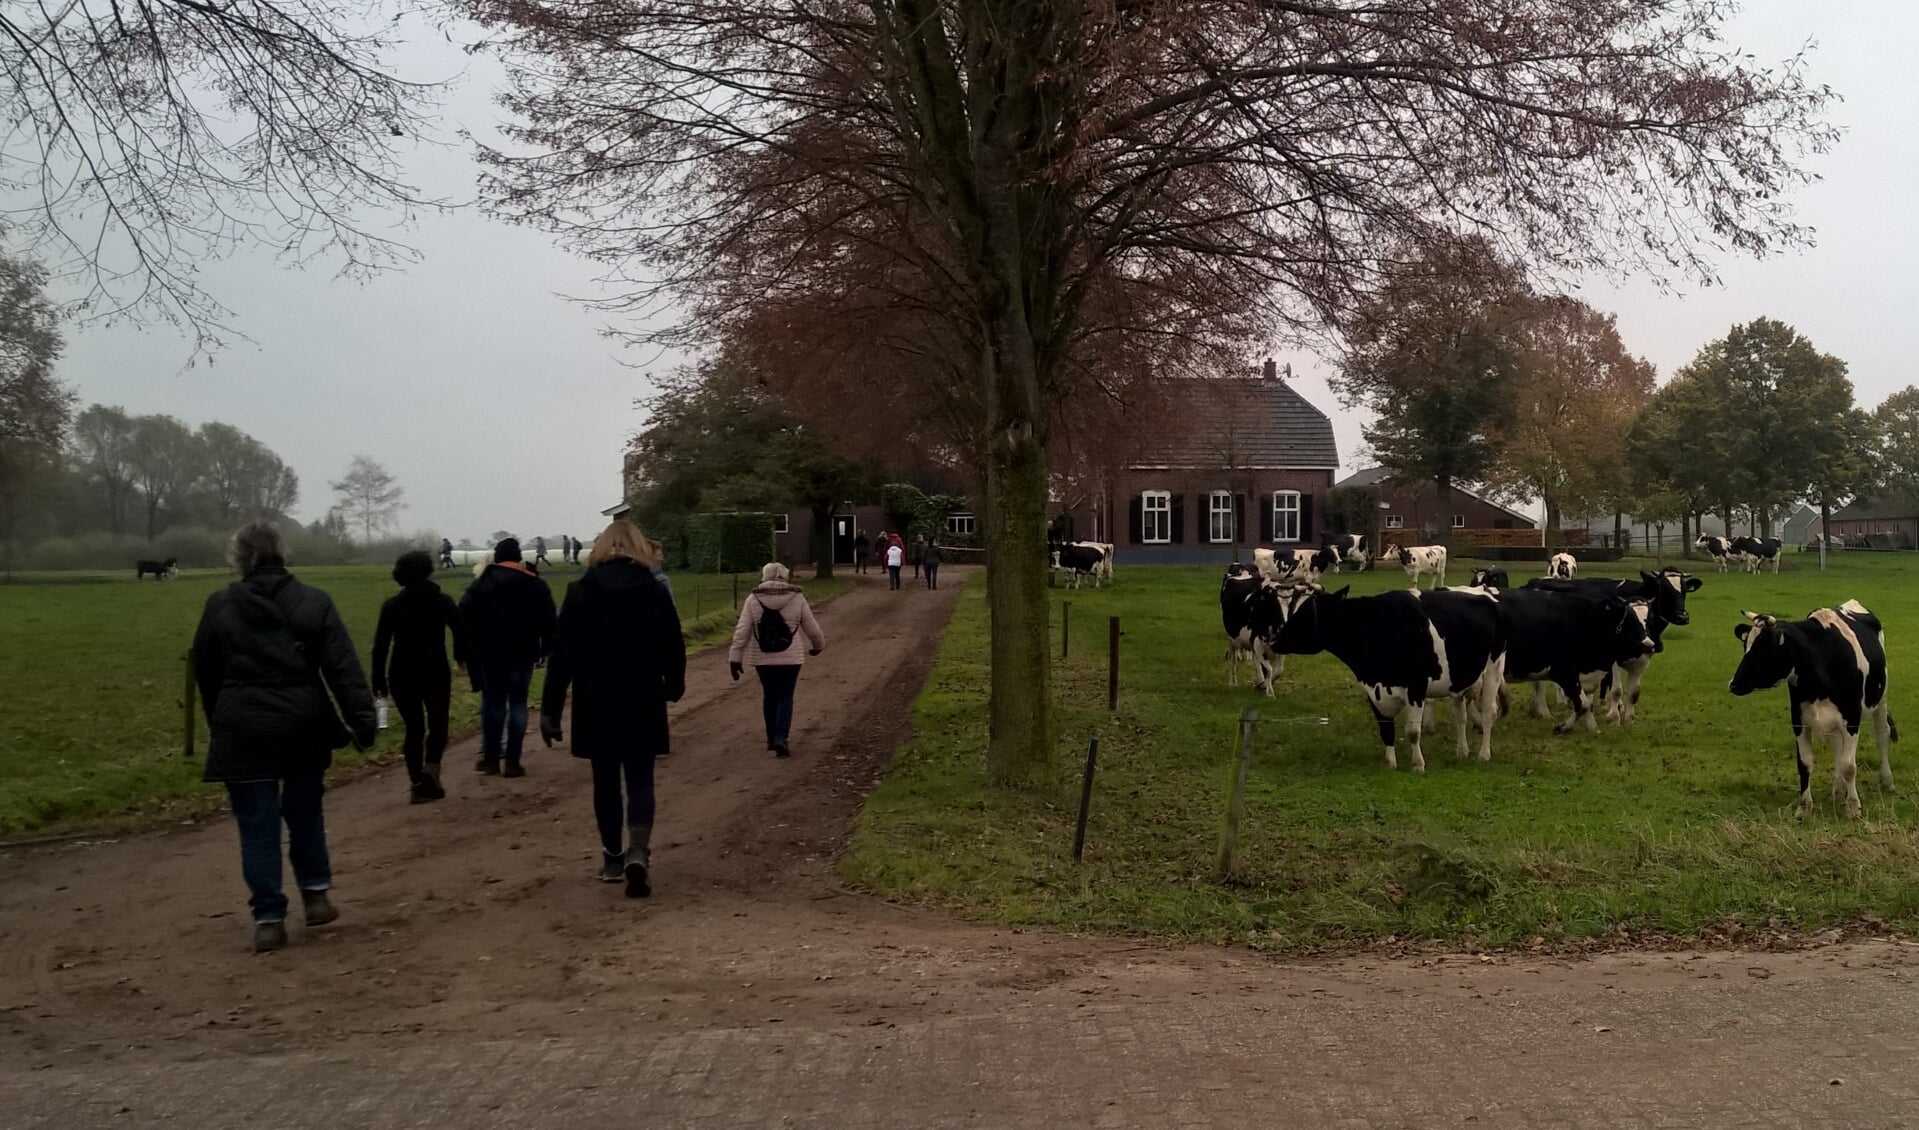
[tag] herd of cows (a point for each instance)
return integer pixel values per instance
(1591, 638)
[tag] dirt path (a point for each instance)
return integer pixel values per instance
(478, 974)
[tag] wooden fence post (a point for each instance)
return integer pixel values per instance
(1065, 624)
(187, 698)
(1236, 804)
(1112, 663)
(1085, 798)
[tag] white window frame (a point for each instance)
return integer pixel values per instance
(1459, 521)
(1220, 504)
(780, 524)
(1285, 504)
(1395, 521)
(1156, 512)
(961, 525)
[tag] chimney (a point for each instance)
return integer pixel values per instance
(1271, 371)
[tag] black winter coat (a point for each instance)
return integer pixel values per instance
(508, 618)
(414, 624)
(268, 651)
(621, 652)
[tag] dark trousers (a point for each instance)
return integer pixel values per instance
(932, 574)
(259, 807)
(892, 576)
(616, 813)
(422, 698)
(777, 684)
(916, 570)
(503, 711)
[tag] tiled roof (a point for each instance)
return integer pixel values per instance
(1244, 422)
(1892, 504)
(1380, 476)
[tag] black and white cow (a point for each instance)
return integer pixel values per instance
(1491, 579)
(1421, 559)
(1083, 559)
(1666, 590)
(1250, 614)
(1834, 666)
(1571, 641)
(1287, 566)
(1349, 549)
(1404, 649)
(1562, 566)
(1717, 548)
(1621, 689)
(1755, 552)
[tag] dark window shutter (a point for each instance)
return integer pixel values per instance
(1265, 519)
(1239, 518)
(1135, 528)
(1179, 519)
(1305, 517)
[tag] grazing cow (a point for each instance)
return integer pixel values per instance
(1246, 604)
(1082, 559)
(1756, 553)
(1834, 666)
(1405, 648)
(1563, 566)
(1716, 547)
(1666, 590)
(1348, 549)
(161, 570)
(1621, 689)
(1572, 641)
(1294, 566)
(1420, 559)
(1491, 579)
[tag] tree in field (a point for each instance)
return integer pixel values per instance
(1576, 392)
(166, 461)
(150, 136)
(1436, 359)
(243, 476)
(1028, 180)
(35, 406)
(367, 497)
(1676, 447)
(103, 448)
(1897, 421)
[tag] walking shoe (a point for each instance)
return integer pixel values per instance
(612, 868)
(418, 794)
(489, 766)
(780, 750)
(268, 936)
(513, 769)
(319, 908)
(636, 885)
(431, 782)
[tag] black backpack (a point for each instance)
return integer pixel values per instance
(773, 634)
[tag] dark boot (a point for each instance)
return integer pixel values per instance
(418, 794)
(513, 769)
(612, 868)
(637, 858)
(269, 936)
(780, 750)
(486, 765)
(431, 781)
(319, 908)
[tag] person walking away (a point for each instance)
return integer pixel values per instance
(931, 561)
(409, 666)
(917, 554)
(446, 553)
(860, 547)
(620, 651)
(539, 552)
(895, 560)
(508, 617)
(772, 618)
(271, 657)
(658, 568)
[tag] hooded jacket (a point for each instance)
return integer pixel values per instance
(414, 624)
(620, 651)
(271, 657)
(790, 603)
(507, 614)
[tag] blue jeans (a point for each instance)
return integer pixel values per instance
(892, 576)
(636, 812)
(932, 574)
(776, 699)
(258, 808)
(503, 708)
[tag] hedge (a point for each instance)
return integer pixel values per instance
(729, 543)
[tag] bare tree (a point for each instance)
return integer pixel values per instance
(147, 136)
(243, 475)
(367, 497)
(103, 444)
(996, 165)
(166, 460)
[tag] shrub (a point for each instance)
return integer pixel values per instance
(729, 543)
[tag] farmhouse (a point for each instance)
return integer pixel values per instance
(1414, 506)
(1890, 521)
(1246, 462)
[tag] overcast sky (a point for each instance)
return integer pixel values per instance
(498, 405)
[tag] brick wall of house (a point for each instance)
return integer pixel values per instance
(1416, 508)
(1119, 518)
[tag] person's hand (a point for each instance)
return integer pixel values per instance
(737, 669)
(813, 651)
(550, 729)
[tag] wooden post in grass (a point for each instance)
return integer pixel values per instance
(736, 592)
(1112, 663)
(1085, 798)
(1236, 804)
(1065, 624)
(187, 699)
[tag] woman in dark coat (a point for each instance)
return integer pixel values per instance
(414, 624)
(271, 657)
(620, 650)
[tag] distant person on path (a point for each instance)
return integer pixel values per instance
(917, 554)
(620, 650)
(772, 618)
(413, 628)
(508, 618)
(271, 657)
(860, 547)
(446, 553)
(895, 560)
(658, 568)
(931, 560)
(539, 552)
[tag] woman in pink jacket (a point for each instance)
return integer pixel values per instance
(772, 618)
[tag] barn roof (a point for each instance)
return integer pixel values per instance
(1244, 422)
(1892, 504)
(1380, 476)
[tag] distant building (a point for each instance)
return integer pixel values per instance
(1415, 506)
(1890, 521)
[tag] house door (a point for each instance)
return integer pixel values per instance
(843, 539)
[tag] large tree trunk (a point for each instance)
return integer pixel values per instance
(153, 516)
(1552, 515)
(1443, 500)
(1618, 528)
(1021, 749)
(822, 539)
(1825, 534)
(1685, 533)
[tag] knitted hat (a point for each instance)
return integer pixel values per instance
(507, 550)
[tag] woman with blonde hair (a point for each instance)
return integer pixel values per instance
(772, 618)
(620, 651)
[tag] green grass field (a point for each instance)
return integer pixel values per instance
(94, 677)
(1680, 824)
